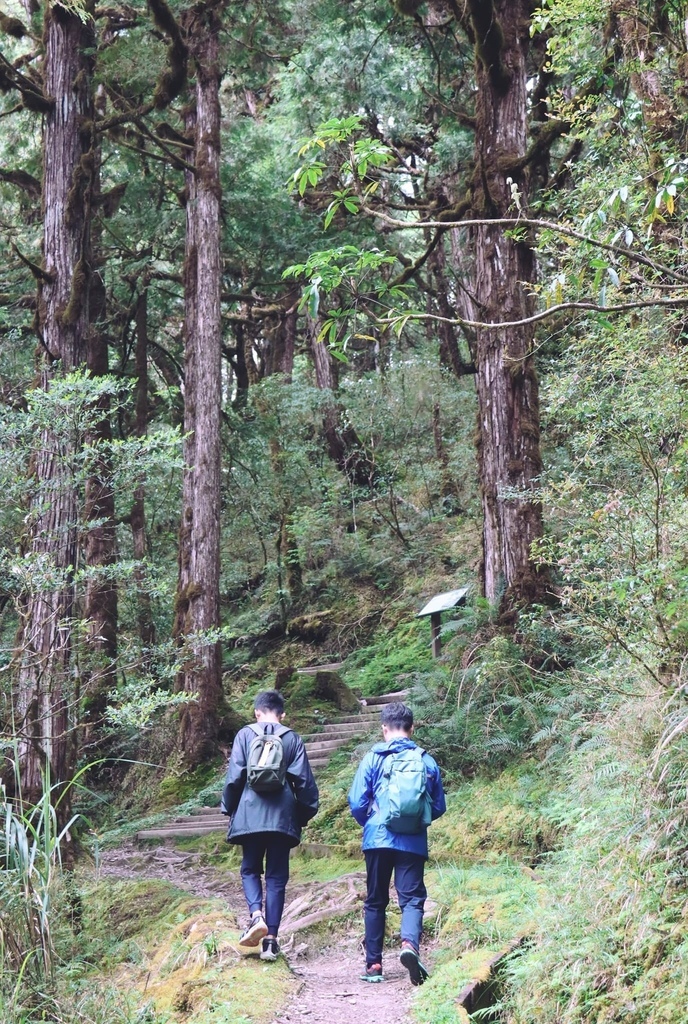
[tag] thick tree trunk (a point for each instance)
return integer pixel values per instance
(508, 416)
(46, 696)
(198, 596)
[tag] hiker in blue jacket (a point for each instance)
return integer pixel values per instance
(395, 795)
(270, 794)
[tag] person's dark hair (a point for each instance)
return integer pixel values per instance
(397, 716)
(269, 700)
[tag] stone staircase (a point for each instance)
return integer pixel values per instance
(319, 746)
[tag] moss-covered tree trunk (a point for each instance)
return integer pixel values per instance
(45, 691)
(198, 595)
(508, 408)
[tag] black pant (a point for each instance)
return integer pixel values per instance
(273, 848)
(408, 871)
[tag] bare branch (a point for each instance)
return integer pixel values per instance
(590, 307)
(526, 222)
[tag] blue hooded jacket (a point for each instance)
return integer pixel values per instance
(363, 799)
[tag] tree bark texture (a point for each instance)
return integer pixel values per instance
(639, 43)
(45, 695)
(508, 407)
(198, 595)
(344, 446)
(450, 351)
(280, 355)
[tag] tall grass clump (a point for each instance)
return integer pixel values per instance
(31, 864)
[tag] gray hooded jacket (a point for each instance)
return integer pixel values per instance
(285, 811)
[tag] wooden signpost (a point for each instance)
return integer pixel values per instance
(435, 607)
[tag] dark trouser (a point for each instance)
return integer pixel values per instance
(273, 848)
(408, 871)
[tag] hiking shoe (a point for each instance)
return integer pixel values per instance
(256, 931)
(270, 949)
(373, 973)
(411, 961)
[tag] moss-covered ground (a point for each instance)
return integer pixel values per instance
(173, 957)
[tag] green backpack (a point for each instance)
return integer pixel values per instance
(266, 768)
(403, 800)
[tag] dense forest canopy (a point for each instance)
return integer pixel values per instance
(309, 311)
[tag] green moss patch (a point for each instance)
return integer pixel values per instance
(516, 814)
(435, 1002)
(390, 663)
(176, 958)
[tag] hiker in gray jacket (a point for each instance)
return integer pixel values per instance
(270, 794)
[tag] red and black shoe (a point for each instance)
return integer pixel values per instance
(373, 972)
(411, 961)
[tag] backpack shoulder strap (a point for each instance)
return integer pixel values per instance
(259, 729)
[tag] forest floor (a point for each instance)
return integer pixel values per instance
(326, 967)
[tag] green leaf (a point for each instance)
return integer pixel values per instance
(314, 299)
(330, 212)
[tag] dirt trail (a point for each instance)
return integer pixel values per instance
(330, 990)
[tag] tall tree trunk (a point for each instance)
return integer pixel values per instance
(138, 508)
(344, 446)
(448, 485)
(280, 355)
(45, 696)
(451, 355)
(198, 595)
(508, 408)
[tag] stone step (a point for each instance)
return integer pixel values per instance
(335, 734)
(177, 831)
(312, 670)
(327, 746)
(197, 811)
(373, 715)
(351, 726)
(200, 822)
(386, 698)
